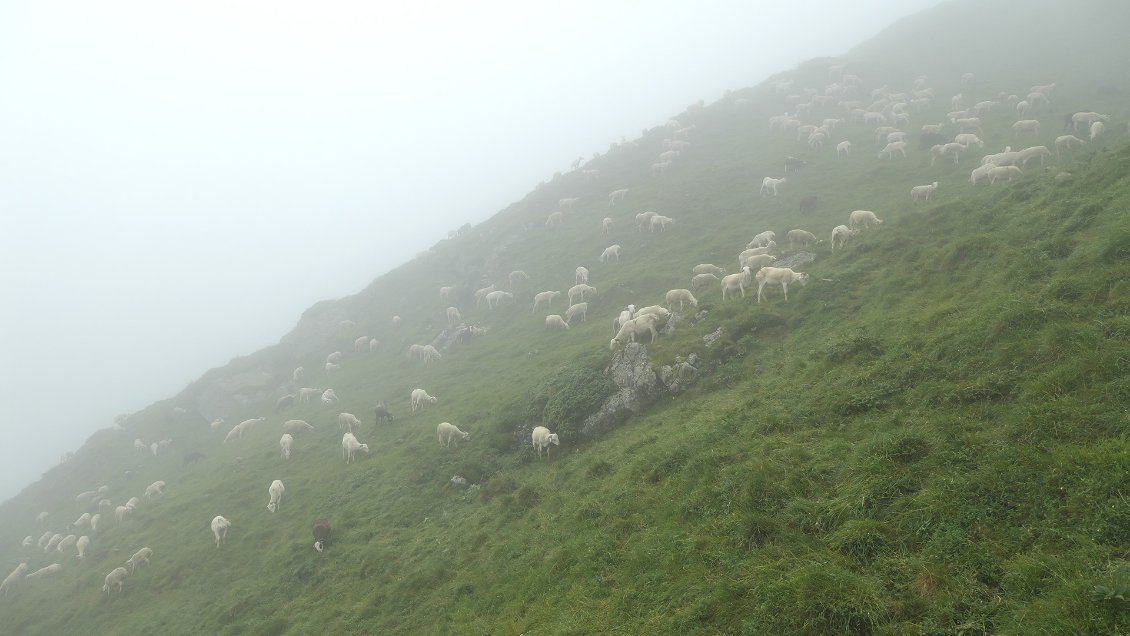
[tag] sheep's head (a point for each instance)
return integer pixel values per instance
(553, 439)
(801, 278)
(319, 546)
(364, 447)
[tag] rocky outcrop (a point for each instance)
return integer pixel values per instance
(639, 386)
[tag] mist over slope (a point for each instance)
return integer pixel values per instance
(927, 438)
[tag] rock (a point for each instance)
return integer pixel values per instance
(794, 261)
(677, 377)
(639, 386)
(452, 336)
(712, 337)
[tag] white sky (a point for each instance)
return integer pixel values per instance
(180, 180)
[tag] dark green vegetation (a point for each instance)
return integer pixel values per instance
(931, 437)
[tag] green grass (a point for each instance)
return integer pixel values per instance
(929, 438)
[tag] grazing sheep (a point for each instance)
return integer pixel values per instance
(661, 222)
(453, 316)
(83, 520)
(546, 297)
(1026, 125)
(321, 534)
(28, 541)
(67, 542)
(382, 413)
(334, 357)
(567, 203)
(52, 542)
(419, 396)
(329, 397)
(51, 569)
(803, 238)
(542, 438)
(94, 521)
(350, 446)
(606, 225)
(41, 517)
(285, 442)
(1007, 173)
(120, 513)
(682, 296)
(481, 293)
(737, 281)
(331, 367)
(616, 195)
(494, 299)
(450, 433)
(609, 253)
(923, 192)
(1064, 142)
(624, 317)
(425, 353)
(361, 344)
(578, 292)
(636, 327)
(764, 239)
(133, 502)
(154, 489)
(891, 148)
(779, 276)
(1086, 118)
(517, 276)
(42, 543)
(554, 321)
(276, 491)
(296, 426)
(16, 575)
(304, 394)
(981, 173)
(969, 125)
(843, 149)
(373, 344)
(220, 527)
(968, 139)
(298, 373)
(286, 401)
(118, 576)
(755, 261)
(707, 268)
(1097, 130)
(770, 183)
(864, 218)
(1031, 153)
(555, 219)
(703, 281)
(840, 234)
(642, 219)
(139, 557)
(81, 546)
(581, 309)
(347, 421)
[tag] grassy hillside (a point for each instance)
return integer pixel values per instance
(928, 438)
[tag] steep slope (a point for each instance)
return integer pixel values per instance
(930, 437)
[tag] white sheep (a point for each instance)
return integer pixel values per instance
(707, 268)
(636, 327)
(94, 521)
(449, 433)
(216, 425)
(516, 277)
(770, 183)
(139, 557)
(276, 490)
(481, 293)
(642, 219)
(891, 148)
(1026, 125)
(51, 569)
(305, 393)
(347, 421)
(1033, 152)
(1064, 142)
(555, 219)
(42, 543)
(803, 238)
(361, 344)
(446, 292)
(334, 357)
(52, 542)
(220, 527)
(28, 541)
(661, 222)
(843, 149)
(424, 353)
(542, 438)
(578, 292)
(609, 253)
(373, 344)
(546, 297)
(981, 173)
(567, 203)
(297, 374)
(779, 276)
(139, 445)
(617, 195)
(923, 192)
(660, 168)
(581, 309)
(133, 502)
(755, 261)
(702, 281)
(969, 125)
(606, 225)
(494, 299)
(1097, 130)
(453, 316)
(16, 575)
(118, 576)
(83, 520)
(1086, 118)
(81, 546)
(419, 396)
(296, 426)
(67, 542)
(154, 489)
(1007, 173)
(764, 239)
(285, 443)
(329, 396)
(154, 448)
(738, 281)
(624, 317)
(555, 321)
(41, 517)
(350, 446)
(840, 234)
(968, 139)
(120, 512)
(765, 249)
(331, 367)
(863, 218)
(681, 296)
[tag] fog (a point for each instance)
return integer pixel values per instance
(179, 181)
